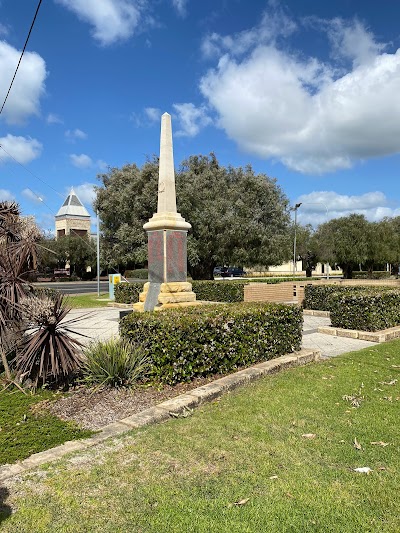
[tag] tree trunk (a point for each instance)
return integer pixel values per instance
(308, 271)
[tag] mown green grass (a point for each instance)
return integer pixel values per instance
(186, 475)
(87, 300)
(24, 431)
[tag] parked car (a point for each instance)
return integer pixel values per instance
(233, 272)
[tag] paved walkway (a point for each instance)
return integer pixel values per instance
(102, 323)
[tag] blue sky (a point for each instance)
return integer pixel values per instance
(306, 91)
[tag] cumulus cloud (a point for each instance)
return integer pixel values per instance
(191, 119)
(81, 161)
(33, 196)
(24, 99)
(320, 206)
(180, 6)
(111, 20)
(52, 118)
(4, 31)
(313, 116)
(23, 149)
(6, 196)
(73, 135)
(153, 114)
(85, 192)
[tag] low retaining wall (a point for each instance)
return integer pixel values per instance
(287, 291)
(382, 335)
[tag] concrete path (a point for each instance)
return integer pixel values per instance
(102, 323)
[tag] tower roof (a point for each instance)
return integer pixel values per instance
(73, 207)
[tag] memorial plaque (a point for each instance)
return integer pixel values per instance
(176, 256)
(156, 256)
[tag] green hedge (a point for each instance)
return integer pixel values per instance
(140, 273)
(366, 310)
(319, 296)
(219, 291)
(128, 293)
(376, 274)
(186, 343)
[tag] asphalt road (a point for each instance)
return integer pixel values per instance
(78, 287)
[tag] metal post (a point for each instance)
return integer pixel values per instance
(98, 254)
(294, 241)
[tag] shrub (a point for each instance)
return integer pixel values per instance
(376, 274)
(366, 310)
(185, 343)
(140, 273)
(115, 363)
(319, 296)
(219, 291)
(128, 293)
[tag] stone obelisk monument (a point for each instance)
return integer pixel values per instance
(167, 236)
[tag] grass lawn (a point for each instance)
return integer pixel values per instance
(88, 300)
(23, 432)
(276, 456)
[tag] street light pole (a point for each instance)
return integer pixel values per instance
(294, 240)
(98, 254)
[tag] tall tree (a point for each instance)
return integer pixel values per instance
(237, 217)
(306, 248)
(344, 241)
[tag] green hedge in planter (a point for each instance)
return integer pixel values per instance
(366, 310)
(128, 293)
(319, 296)
(219, 291)
(189, 342)
(140, 273)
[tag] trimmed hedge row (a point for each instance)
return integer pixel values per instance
(219, 291)
(376, 274)
(141, 273)
(319, 296)
(186, 343)
(211, 291)
(128, 293)
(366, 310)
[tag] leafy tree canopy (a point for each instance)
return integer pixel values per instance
(238, 217)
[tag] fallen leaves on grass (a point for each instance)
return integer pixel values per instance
(363, 469)
(356, 444)
(309, 435)
(391, 382)
(355, 400)
(239, 503)
(273, 477)
(380, 443)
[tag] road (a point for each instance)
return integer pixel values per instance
(78, 287)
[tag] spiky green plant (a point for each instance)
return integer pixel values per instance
(48, 353)
(115, 363)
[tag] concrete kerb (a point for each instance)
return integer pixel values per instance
(175, 407)
(382, 335)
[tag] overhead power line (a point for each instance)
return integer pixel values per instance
(20, 58)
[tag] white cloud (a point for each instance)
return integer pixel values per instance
(310, 115)
(28, 86)
(180, 6)
(73, 135)
(102, 165)
(191, 119)
(153, 113)
(23, 149)
(52, 118)
(320, 206)
(112, 20)
(32, 196)
(4, 31)
(6, 196)
(85, 193)
(81, 161)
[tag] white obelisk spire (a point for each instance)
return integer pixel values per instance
(166, 177)
(167, 216)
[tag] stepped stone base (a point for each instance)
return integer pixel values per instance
(174, 294)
